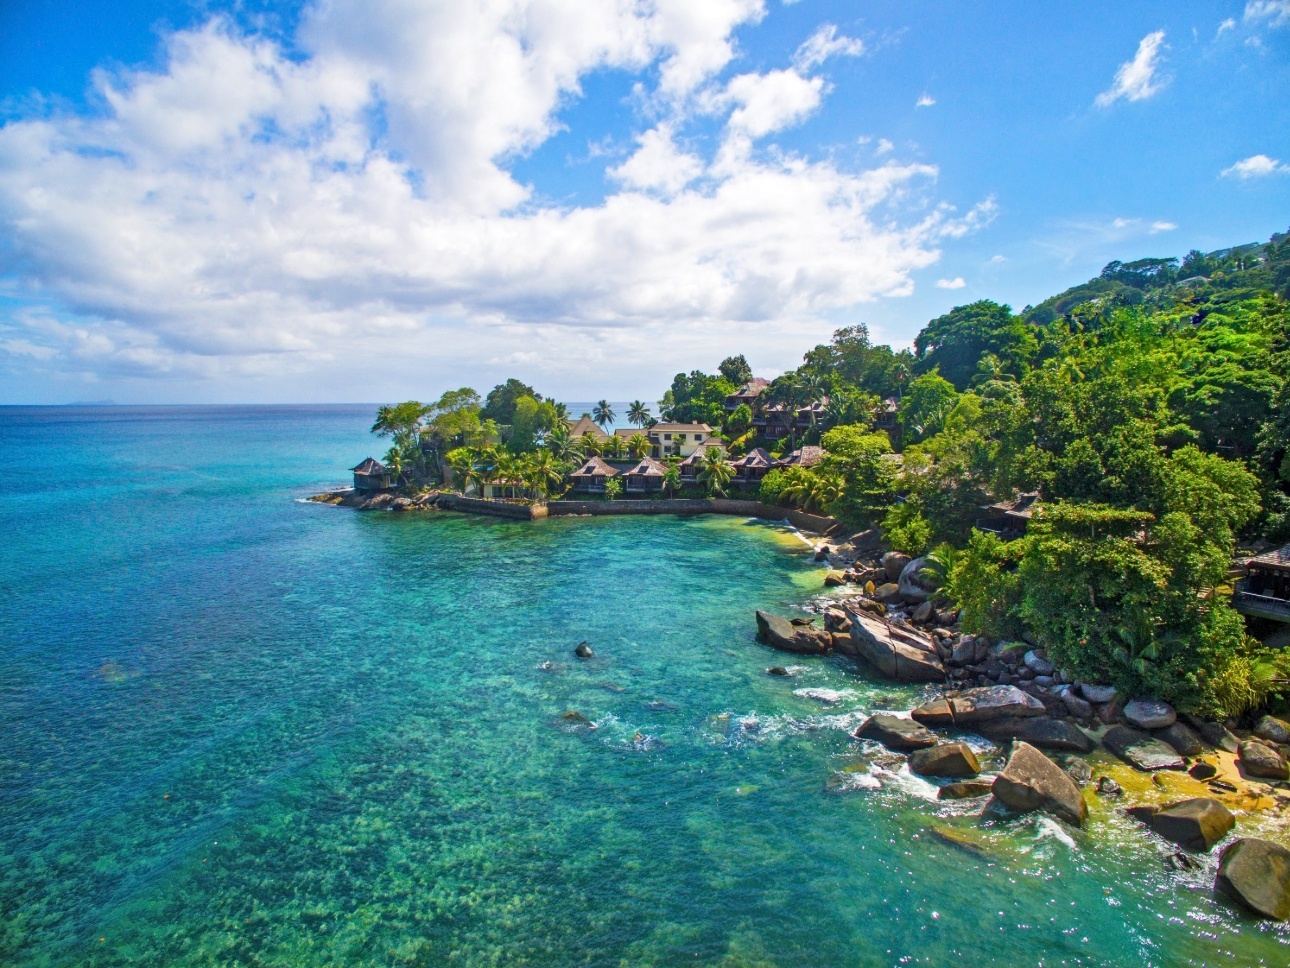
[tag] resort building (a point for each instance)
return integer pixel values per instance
(887, 414)
(775, 421)
(371, 475)
(590, 478)
(1264, 592)
(807, 456)
(753, 466)
(505, 490)
(748, 393)
(674, 439)
(645, 478)
(1008, 519)
(585, 425)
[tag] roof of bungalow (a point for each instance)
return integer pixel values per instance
(647, 467)
(757, 457)
(627, 433)
(369, 467)
(680, 428)
(1023, 506)
(585, 425)
(890, 405)
(807, 456)
(595, 468)
(1277, 560)
(751, 389)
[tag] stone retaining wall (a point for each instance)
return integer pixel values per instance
(689, 506)
(497, 509)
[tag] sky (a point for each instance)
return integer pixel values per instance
(375, 200)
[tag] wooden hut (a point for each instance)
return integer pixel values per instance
(646, 477)
(590, 478)
(753, 466)
(371, 475)
(1008, 519)
(1264, 592)
(807, 456)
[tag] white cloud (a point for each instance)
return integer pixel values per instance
(884, 147)
(1276, 13)
(957, 282)
(997, 259)
(658, 164)
(823, 44)
(1136, 79)
(771, 101)
(1225, 26)
(926, 101)
(1255, 166)
(1163, 227)
(237, 212)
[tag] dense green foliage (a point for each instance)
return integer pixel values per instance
(697, 398)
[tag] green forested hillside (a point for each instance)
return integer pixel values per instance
(1148, 407)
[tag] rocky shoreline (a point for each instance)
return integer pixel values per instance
(1061, 739)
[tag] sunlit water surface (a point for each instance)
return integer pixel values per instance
(240, 729)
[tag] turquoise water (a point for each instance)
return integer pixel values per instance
(237, 729)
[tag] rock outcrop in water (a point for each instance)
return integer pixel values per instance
(896, 651)
(1031, 781)
(782, 634)
(895, 733)
(1256, 873)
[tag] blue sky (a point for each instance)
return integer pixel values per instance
(352, 201)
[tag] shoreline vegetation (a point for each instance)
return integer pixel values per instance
(1045, 514)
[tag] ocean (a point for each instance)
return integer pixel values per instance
(241, 729)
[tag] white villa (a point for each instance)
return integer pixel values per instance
(679, 439)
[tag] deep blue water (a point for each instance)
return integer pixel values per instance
(238, 729)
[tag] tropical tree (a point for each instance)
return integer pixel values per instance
(590, 445)
(638, 445)
(562, 445)
(613, 447)
(672, 477)
(603, 413)
(544, 472)
(394, 461)
(613, 488)
(637, 413)
(715, 472)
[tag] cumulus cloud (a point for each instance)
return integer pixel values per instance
(1163, 227)
(1136, 79)
(823, 44)
(1275, 13)
(1255, 166)
(958, 282)
(239, 211)
(926, 101)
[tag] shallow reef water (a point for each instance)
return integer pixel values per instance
(239, 729)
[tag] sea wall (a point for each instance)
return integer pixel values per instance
(497, 509)
(752, 509)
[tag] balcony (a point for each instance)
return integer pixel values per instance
(1260, 606)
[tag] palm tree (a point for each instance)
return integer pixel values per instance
(394, 461)
(638, 413)
(672, 478)
(900, 376)
(638, 445)
(613, 447)
(591, 445)
(714, 472)
(544, 472)
(462, 463)
(603, 414)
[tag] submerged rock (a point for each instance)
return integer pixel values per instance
(1031, 781)
(897, 652)
(1149, 713)
(1141, 751)
(972, 706)
(1259, 759)
(1196, 824)
(584, 651)
(1078, 770)
(895, 733)
(964, 790)
(778, 671)
(1108, 787)
(1203, 771)
(953, 760)
(1256, 873)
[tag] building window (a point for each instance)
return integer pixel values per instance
(667, 436)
